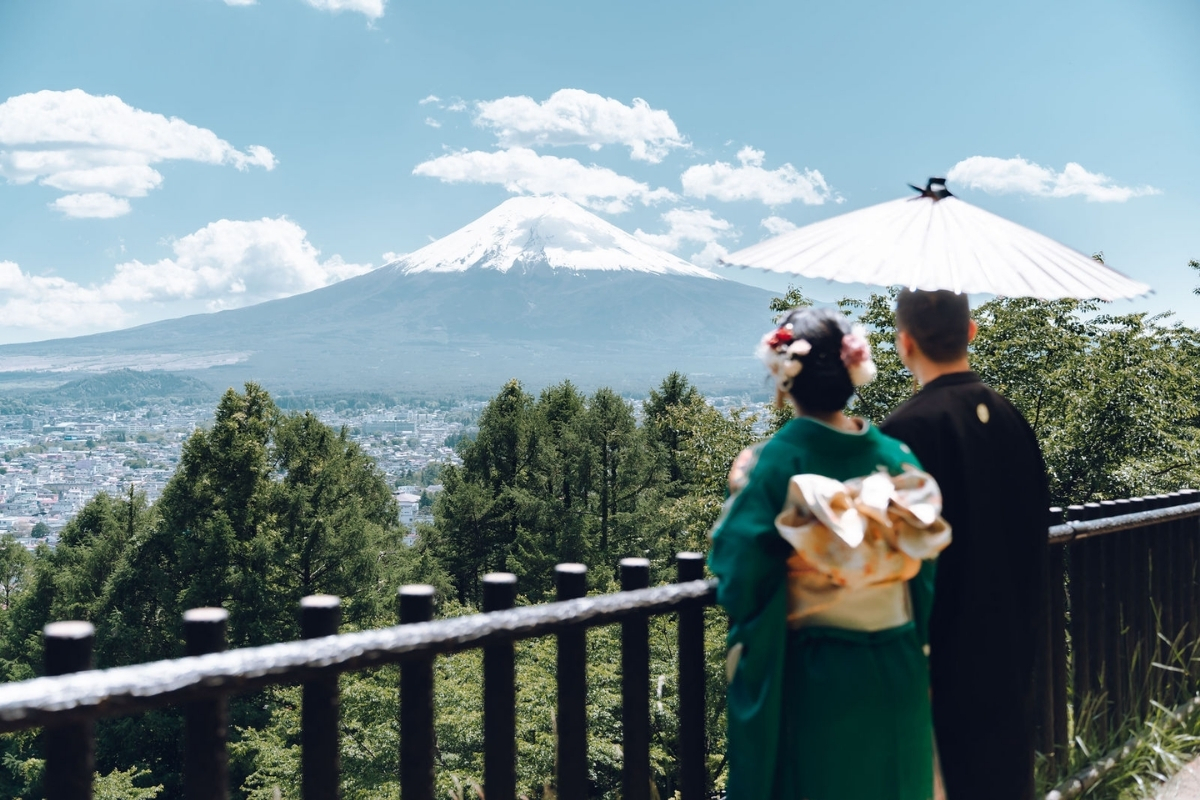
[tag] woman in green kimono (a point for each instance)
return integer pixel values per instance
(824, 559)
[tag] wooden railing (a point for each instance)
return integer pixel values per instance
(1122, 604)
(72, 696)
(1123, 587)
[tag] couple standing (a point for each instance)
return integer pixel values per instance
(883, 583)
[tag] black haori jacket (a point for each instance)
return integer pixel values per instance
(985, 630)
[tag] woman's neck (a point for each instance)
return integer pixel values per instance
(834, 419)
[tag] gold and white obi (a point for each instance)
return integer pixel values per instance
(856, 544)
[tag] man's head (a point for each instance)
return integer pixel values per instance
(933, 330)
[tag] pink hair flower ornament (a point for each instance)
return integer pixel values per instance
(856, 355)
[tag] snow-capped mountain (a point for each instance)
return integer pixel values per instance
(537, 289)
(527, 232)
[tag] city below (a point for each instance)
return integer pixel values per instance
(55, 460)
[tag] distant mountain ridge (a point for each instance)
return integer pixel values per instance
(537, 289)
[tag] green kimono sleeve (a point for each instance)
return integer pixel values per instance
(749, 559)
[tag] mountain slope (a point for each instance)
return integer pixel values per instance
(515, 301)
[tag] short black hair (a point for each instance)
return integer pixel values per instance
(823, 385)
(939, 322)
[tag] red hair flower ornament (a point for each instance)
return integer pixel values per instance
(782, 352)
(778, 338)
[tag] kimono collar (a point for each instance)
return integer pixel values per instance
(952, 379)
(799, 425)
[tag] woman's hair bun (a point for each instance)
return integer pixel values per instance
(822, 382)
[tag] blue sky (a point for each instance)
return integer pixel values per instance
(200, 154)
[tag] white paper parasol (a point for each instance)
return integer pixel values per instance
(937, 241)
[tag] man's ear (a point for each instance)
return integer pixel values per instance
(972, 329)
(904, 344)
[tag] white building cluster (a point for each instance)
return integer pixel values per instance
(56, 460)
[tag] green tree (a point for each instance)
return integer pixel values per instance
(263, 509)
(674, 391)
(337, 521)
(75, 581)
(792, 298)
(1109, 397)
(624, 467)
(14, 568)
(559, 524)
(522, 497)
(709, 441)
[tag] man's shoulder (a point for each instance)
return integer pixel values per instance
(995, 401)
(953, 405)
(916, 410)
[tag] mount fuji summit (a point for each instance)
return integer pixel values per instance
(537, 289)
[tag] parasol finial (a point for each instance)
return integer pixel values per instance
(935, 189)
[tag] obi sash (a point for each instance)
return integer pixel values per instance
(855, 546)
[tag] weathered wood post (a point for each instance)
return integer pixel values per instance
(571, 779)
(635, 688)
(206, 722)
(416, 702)
(320, 616)
(499, 697)
(71, 747)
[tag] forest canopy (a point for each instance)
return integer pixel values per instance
(267, 506)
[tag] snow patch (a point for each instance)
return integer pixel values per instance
(549, 231)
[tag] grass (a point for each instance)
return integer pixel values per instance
(1140, 753)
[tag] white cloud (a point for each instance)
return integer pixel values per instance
(522, 171)
(433, 123)
(1019, 176)
(390, 256)
(240, 2)
(373, 9)
(94, 145)
(777, 225)
(457, 105)
(433, 98)
(576, 117)
(751, 157)
(225, 264)
(712, 255)
(96, 205)
(52, 305)
(751, 181)
(686, 225)
(233, 263)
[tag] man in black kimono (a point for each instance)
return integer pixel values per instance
(987, 597)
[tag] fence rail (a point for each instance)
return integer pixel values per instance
(1122, 591)
(72, 696)
(1123, 583)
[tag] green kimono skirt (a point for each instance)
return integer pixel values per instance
(817, 713)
